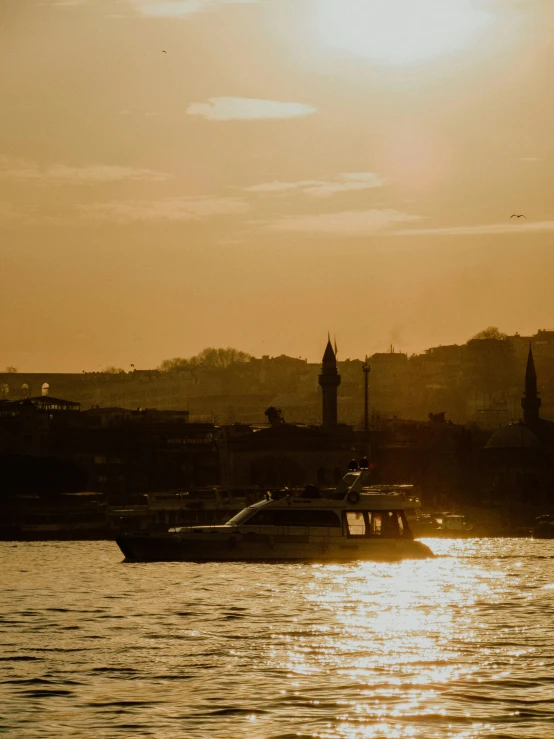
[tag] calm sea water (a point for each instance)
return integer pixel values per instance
(458, 646)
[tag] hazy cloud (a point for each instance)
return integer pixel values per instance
(61, 174)
(180, 8)
(19, 216)
(167, 209)
(63, 3)
(345, 182)
(229, 108)
(229, 242)
(277, 186)
(347, 223)
(485, 229)
(145, 113)
(8, 213)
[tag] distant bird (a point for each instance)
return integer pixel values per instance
(515, 215)
(164, 51)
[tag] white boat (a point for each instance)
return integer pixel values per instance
(456, 523)
(356, 522)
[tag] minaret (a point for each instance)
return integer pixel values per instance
(329, 380)
(530, 401)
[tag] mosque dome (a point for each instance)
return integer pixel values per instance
(514, 436)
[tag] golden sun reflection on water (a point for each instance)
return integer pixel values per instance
(400, 635)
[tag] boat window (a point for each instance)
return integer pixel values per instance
(376, 523)
(294, 517)
(356, 523)
(386, 523)
(390, 524)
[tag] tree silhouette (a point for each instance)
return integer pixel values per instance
(491, 332)
(209, 357)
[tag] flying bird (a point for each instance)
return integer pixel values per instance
(164, 51)
(515, 215)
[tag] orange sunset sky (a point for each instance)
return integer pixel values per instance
(176, 174)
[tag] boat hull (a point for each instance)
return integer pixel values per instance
(174, 547)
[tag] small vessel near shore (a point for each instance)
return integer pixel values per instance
(442, 524)
(544, 528)
(355, 522)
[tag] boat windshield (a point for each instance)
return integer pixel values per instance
(240, 517)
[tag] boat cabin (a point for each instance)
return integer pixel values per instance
(369, 515)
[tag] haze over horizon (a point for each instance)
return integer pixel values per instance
(285, 168)
(169, 363)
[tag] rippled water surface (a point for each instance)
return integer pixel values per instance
(457, 646)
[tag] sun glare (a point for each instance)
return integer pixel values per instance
(397, 32)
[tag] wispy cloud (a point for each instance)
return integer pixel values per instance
(145, 113)
(63, 174)
(512, 227)
(17, 215)
(345, 182)
(346, 223)
(180, 8)
(62, 3)
(167, 209)
(230, 108)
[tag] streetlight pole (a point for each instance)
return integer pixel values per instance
(366, 369)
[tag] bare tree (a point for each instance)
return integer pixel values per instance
(11, 370)
(111, 370)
